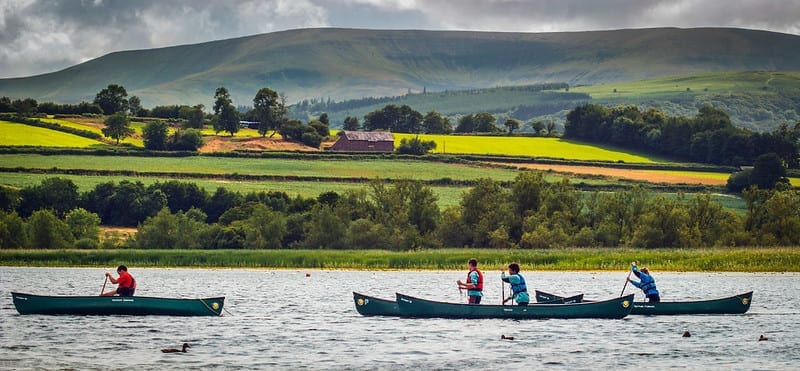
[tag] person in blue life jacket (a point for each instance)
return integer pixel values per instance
(646, 283)
(474, 282)
(519, 290)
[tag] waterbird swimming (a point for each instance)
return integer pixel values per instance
(762, 338)
(503, 337)
(173, 350)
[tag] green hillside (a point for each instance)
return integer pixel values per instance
(348, 63)
(758, 100)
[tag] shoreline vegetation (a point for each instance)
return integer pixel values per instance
(757, 259)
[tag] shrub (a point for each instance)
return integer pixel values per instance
(312, 139)
(415, 146)
(86, 243)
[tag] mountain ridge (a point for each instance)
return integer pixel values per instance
(353, 63)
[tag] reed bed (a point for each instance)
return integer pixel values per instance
(757, 259)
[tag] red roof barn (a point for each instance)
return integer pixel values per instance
(364, 141)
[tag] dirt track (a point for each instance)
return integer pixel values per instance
(654, 176)
(225, 144)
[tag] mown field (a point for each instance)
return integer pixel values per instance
(569, 259)
(342, 168)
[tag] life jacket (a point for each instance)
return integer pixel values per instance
(648, 284)
(132, 285)
(517, 288)
(127, 291)
(479, 285)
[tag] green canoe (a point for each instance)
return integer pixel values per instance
(111, 305)
(415, 307)
(545, 298)
(735, 304)
(372, 306)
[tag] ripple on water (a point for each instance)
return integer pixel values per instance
(312, 324)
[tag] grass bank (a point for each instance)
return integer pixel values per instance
(681, 260)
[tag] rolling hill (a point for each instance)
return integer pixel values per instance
(757, 100)
(355, 63)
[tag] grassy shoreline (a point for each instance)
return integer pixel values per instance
(780, 259)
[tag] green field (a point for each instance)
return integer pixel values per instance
(448, 196)
(711, 83)
(344, 168)
(568, 259)
(13, 134)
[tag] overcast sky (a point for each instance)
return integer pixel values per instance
(38, 36)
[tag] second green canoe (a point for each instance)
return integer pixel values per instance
(409, 306)
(736, 304)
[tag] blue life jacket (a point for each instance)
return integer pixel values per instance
(517, 288)
(647, 284)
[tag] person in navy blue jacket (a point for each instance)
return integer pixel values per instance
(646, 283)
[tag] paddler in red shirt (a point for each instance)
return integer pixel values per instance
(126, 285)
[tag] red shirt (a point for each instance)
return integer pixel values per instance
(125, 280)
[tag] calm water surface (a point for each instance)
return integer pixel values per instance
(283, 320)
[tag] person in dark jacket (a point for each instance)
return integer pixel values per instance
(646, 283)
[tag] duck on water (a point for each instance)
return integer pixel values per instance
(173, 350)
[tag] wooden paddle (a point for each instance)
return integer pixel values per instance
(626, 283)
(104, 286)
(503, 292)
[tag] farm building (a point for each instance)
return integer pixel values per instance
(249, 124)
(364, 141)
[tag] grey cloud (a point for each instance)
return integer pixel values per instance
(38, 36)
(580, 15)
(45, 35)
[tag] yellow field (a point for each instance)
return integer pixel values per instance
(13, 134)
(527, 146)
(136, 140)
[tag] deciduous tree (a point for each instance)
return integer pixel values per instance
(222, 98)
(112, 99)
(83, 224)
(351, 124)
(135, 105)
(511, 124)
(117, 127)
(47, 231)
(265, 105)
(154, 135)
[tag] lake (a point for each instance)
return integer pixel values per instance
(286, 319)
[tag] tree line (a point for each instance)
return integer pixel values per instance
(528, 213)
(708, 137)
